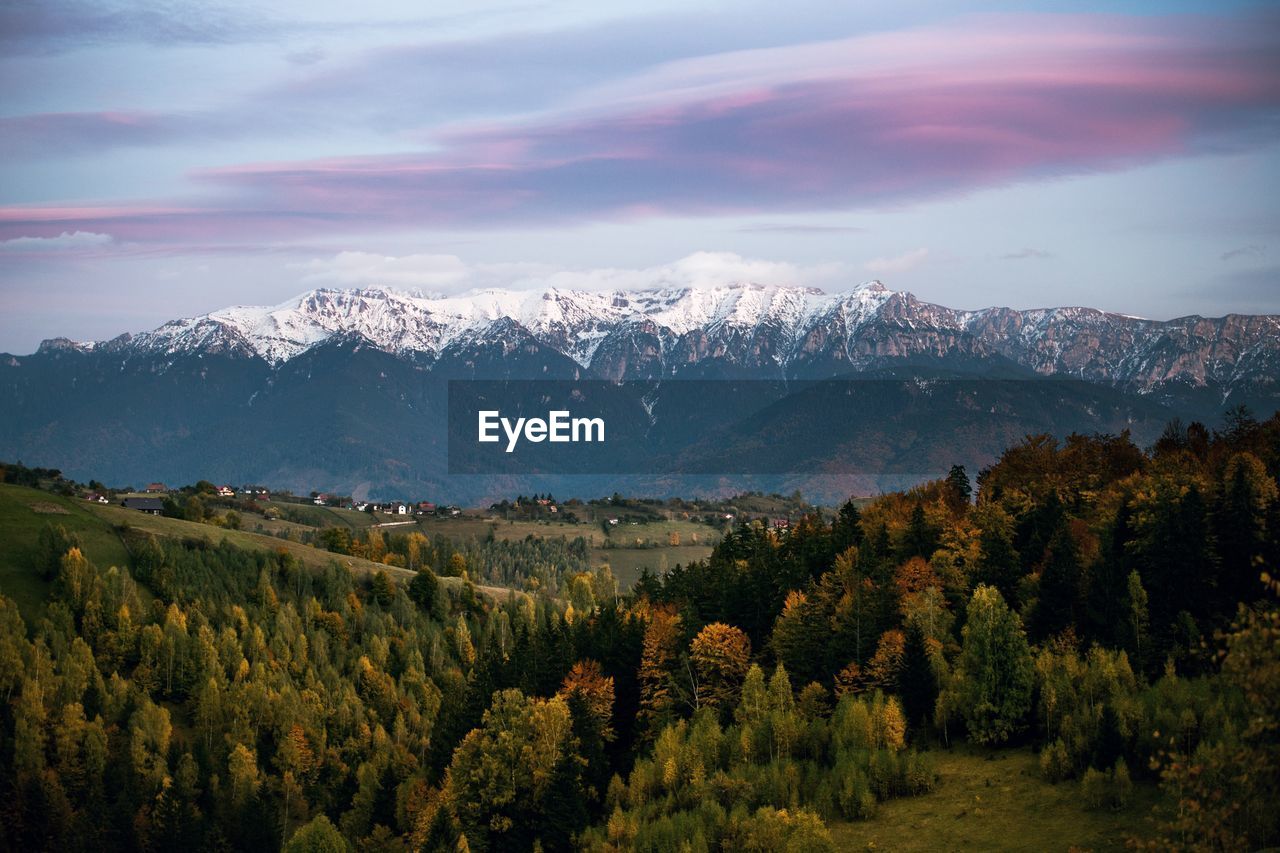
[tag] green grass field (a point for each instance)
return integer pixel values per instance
(627, 563)
(311, 515)
(23, 513)
(313, 558)
(996, 801)
(635, 546)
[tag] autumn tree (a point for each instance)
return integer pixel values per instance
(720, 654)
(657, 661)
(586, 679)
(801, 635)
(502, 772)
(885, 667)
(53, 543)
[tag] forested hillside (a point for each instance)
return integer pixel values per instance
(1105, 605)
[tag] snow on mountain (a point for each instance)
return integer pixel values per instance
(569, 320)
(643, 333)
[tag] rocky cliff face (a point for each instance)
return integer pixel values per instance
(737, 330)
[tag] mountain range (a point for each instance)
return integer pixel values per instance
(345, 390)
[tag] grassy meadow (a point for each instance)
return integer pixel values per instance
(996, 800)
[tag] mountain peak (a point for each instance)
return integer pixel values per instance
(669, 328)
(64, 345)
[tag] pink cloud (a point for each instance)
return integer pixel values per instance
(853, 123)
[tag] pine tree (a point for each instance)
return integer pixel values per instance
(1058, 603)
(424, 589)
(1240, 524)
(918, 682)
(958, 482)
(1107, 599)
(998, 562)
(846, 530)
(920, 538)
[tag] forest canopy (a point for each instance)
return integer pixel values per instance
(1107, 605)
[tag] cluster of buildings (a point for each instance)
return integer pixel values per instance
(151, 498)
(421, 508)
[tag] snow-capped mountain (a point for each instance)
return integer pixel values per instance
(349, 391)
(770, 331)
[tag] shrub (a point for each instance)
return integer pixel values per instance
(1121, 785)
(1055, 763)
(853, 794)
(918, 773)
(1095, 788)
(1112, 789)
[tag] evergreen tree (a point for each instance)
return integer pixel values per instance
(998, 564)
(424, 590)
(1107, 604)
(920, 538)
(1240, 524)
(846, 529)
(958, 482)
(1057, 605)
(918, 682)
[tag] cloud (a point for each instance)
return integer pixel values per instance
(856, 123)
(450, 273)
(899, 263)
(1255, 291)
(1251, 251)
(67, 241)
(799, 228)
(43, 26)
(363, 269)
(307, 56)
(1023, 254)
(44, 135)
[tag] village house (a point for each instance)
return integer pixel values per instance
(156, 489)
(94, 497)
(226, 492)
(151, 506)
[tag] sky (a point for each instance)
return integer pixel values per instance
(166, 159)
